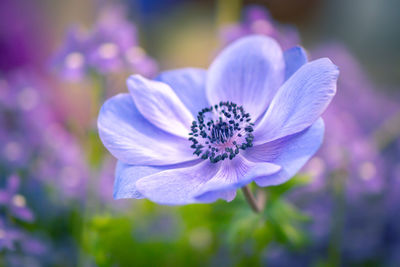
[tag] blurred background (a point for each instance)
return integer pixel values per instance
(60, 60)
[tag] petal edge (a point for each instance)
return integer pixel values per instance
(299, 102)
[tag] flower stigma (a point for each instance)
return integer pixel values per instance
(221, 131)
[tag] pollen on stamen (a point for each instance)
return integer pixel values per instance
(221, 131)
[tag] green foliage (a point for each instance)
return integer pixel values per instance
(196, 235)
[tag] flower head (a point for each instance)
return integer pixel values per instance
(195, 136)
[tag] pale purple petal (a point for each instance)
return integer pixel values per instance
(202, 183)
(158, 103)
(248, 73)
(177, 186)
(234, 176)
(294, 59)
(299, 102)
(212, 196)
(127, 175)
(134, 140)
(290, 152)
(189, 85)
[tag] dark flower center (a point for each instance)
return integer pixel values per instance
(221, 131)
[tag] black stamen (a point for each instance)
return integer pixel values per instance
(217, 134)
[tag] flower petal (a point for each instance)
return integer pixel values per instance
(158, 103)
(248, 73)
(290, 152)
(126, 176)
(134, 140)
(177, 186)
(234, 176)
(212, 196)
(295, 57)
(202, 183)
(299, 102)
(189, 86)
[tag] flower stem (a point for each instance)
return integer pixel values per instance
(256, 204)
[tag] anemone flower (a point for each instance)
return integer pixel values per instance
(195, 136)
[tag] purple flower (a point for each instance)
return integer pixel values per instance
(71, 60)
(19, 241)
(34, 140)
(19, 104)
(351, 124)
(195, 136)
(257, 20)
(61, 157)
(110, 46)
(8, 236)
(362, 171)
(15, 203)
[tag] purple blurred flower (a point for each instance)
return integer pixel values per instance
(15, 203)
(257, 20)
(21, 117)
(62, 163)
(71, 60)
(353, 149)
(14, 206)
(8, 236)
(351, 124)
(111, 46)
(34, 139)
(21, 243)
(256, 105)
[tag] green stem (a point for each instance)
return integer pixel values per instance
(256, 204)
(338, 179)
